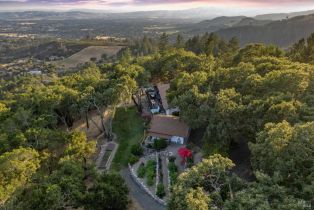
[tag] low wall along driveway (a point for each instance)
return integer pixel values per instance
(142, 185)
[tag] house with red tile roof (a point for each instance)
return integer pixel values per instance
(168, 127)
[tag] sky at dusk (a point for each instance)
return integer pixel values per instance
(244, 6)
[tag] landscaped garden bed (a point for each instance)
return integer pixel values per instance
(173, 170)
(158, 171)
(150, 172)
(160, 188)
(147, 172)
(160, 192)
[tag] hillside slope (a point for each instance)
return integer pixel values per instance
(282, 33)
(281, 16)
(211, 25)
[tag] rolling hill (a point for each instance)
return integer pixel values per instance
(281, 16)
(269, 28)
(282, 33)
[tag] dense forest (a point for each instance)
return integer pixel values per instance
(45, 165)
(259, 95)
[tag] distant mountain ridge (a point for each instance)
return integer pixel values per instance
(191, 15)
(251, 21)
(260, 29)
(37, 15)
(224, 20)
(208, 26)
(282, 32)
(281, 16)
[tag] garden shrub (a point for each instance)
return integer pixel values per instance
(133, 159)
(160, 190)
(141, 171)
(190, 162)
(173, 172)
(150, 172)
(137, 150)
(172, 167)
(160, 144)
(173, 177)
(150, 181)
(172, 159)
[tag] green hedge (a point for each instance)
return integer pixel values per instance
(150, 172)
(160, 144)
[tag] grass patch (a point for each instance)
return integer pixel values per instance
(150, 172)
(129, 128)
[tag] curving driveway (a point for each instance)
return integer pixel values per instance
(146, 202)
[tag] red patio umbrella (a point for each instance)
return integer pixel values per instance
(184, 153)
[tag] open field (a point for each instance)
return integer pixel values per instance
(129, 128)
(87, 53)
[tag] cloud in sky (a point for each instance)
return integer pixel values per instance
(159, 4)
(224, 1)
(156, 2)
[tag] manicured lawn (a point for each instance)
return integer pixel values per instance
(129, 128)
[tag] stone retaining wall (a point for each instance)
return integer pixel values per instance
(169, 180)
(143, 186)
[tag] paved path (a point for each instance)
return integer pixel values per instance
(99, 160)
(146, 202)
(101, 155)
(113, 153)
(165, 173)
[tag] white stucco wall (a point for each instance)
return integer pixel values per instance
(172, 110)
(177, 139)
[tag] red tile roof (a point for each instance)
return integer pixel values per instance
(165, 126)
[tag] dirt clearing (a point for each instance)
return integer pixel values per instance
(87, 53)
